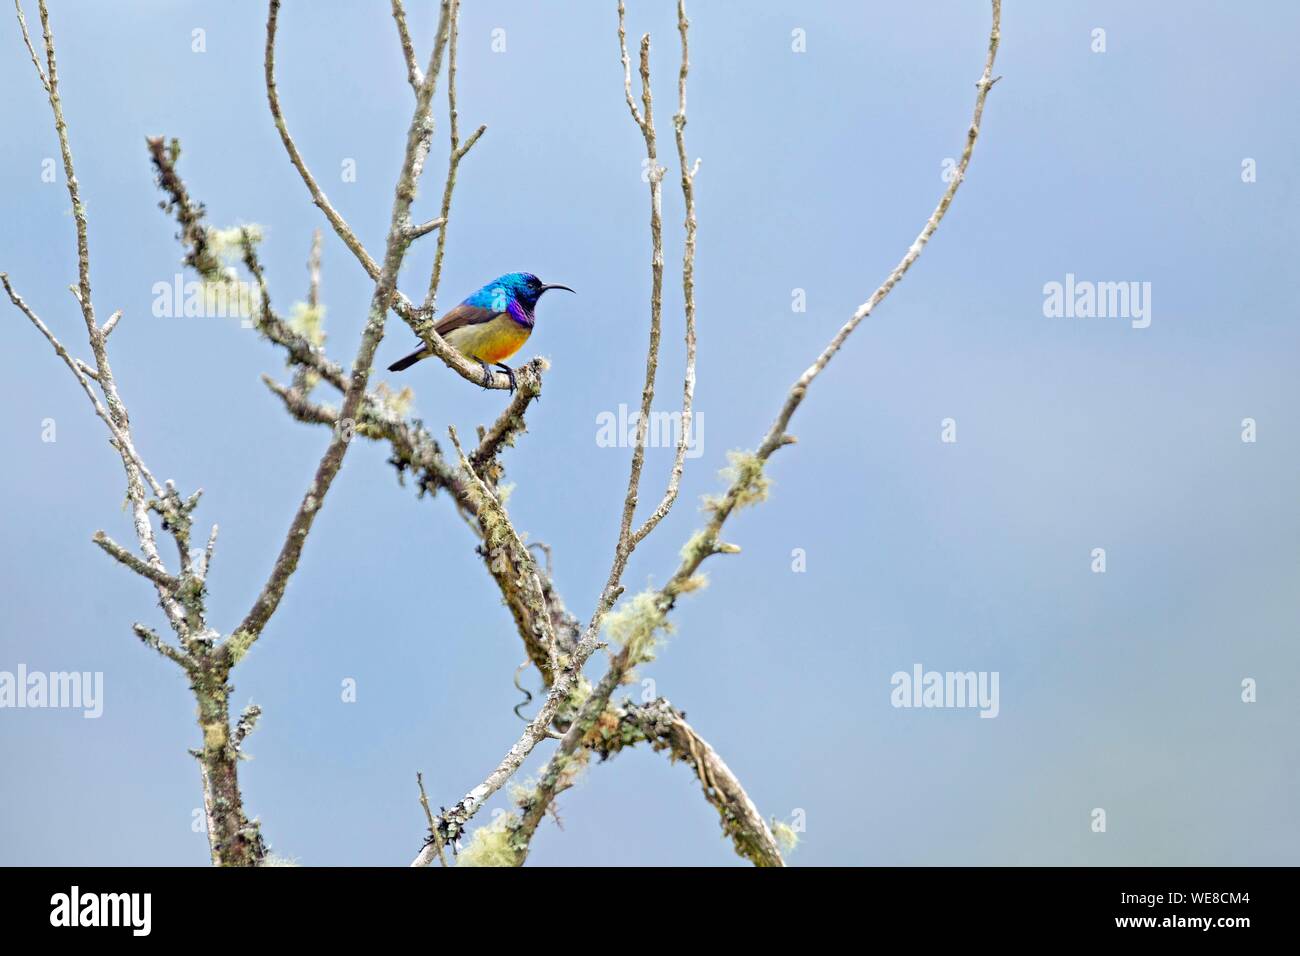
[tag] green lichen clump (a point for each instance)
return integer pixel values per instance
(786, 836)
(395, 404)
(494, 844)
(238, 645)
(610, 733)
(697, 548)
(309, 322)
(216, 259)
(636, 626)
(747, 484)
(228, 244)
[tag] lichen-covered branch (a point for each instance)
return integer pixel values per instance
(664, 728)
(776, 436)
(568, 681)
(748, 485)
(195, 236)
(234, 839)
(500, 537)
(748, 482)
(415, 451)
(510, 423)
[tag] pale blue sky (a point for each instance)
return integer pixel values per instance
(1119, 691)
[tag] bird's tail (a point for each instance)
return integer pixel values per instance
(403, 364)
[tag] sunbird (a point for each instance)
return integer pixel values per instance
(491, 325)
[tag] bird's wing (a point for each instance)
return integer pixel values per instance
(463, 315)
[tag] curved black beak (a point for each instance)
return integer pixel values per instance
(564, 287)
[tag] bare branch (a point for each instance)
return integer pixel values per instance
(688, 287)
(111, 324)
(121, 439)
(151, 639)
(201, 572)
(420, 320)
(51, 81)
(417, 140)
(776, 435)
(413, 74)
(119, 553)
(313, 269)
(318, 196)
(627, 66)
(27, 39)
(646, 122)
(424, 228)
(456, 154)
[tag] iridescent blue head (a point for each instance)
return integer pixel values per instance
(521, 288)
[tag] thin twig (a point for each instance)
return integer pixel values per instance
(27, 39)
(688, 289)
(644, 120)
(428, 815)
(424, 228)
(151, 639)
(313, 271)
(111, 324)
(413, 74)
(247, 722)
(205, 563)
(456, 153)
(116, 551)
(318, 196)
(120, 436)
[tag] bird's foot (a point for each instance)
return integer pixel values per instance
(510, 374)
(488, 374)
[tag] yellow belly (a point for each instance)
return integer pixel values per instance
(490, 342)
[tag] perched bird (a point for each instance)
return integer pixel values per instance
(491, 325)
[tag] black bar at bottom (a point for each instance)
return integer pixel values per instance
(333, 905)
